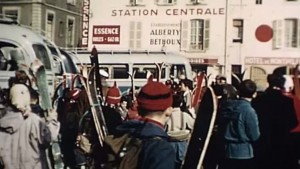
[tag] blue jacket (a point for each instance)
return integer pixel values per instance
(156, 153)
(240, 128)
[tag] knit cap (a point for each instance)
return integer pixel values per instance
(155, 96)
(20, 97)
(113, 95)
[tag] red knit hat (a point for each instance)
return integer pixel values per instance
(113, 95)
(154, 96)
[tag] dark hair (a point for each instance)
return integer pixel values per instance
(177, 100)
(229, 92)
(247, 88)
(187, 82)
(21, 76)
(276, 80)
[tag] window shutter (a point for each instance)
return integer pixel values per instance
(131, 34)
(277, 32)
(184, 35)
(174, 1)
(206, 34)
(298, 33)
(140, 1)
(139, 35)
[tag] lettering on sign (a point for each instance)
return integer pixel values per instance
(163, 34)
(271, 61)
(106, 34)
(85, 23)
(168, 12)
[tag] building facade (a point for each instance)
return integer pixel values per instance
(218, 37)
(58, 20)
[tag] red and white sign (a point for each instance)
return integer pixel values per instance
(106, 34)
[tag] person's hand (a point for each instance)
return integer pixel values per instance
(52, 114)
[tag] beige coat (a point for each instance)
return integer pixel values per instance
(180, 121)
(23, 141)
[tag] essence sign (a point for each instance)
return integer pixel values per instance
(106, 34)
(85, 23)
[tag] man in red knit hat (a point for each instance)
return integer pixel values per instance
(154, 107)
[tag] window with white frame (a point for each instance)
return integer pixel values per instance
(135, 35)
(166, 2)
(238, 26)
(72, 2)
(286, 33)
(135, 2)
(258, 2)
(11, 12)
(50, 25)
(199, 35)
(70, 31)
(291, 32)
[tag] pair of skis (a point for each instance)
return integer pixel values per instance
(204, 98)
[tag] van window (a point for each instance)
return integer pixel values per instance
(141, 71)
(120, 72)
(177, 70)
(42, 55)
(10, 57)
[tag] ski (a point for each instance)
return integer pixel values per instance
(159, 67)
(95, 63)
(198, 90)
(39, 72)
(202, 130)
(296, 97)
(96, 108)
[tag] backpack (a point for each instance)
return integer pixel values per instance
(122, 152)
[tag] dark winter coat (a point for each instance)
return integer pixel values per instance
(277, 117)
(156, 153)
(240, 128)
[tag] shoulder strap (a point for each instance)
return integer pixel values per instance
(182, 121)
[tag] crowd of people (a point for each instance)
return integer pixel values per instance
(252, 131)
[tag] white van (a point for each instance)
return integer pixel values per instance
(121, 64)
(19, 46)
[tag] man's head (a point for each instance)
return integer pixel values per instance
(220, 79)
(186, 84)
(154, 97)
(247, 89)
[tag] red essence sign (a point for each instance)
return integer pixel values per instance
(106, 34)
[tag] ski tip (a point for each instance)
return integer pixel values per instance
(150, 78)
(94, 51)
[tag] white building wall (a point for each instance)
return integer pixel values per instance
(222, 51)
(167, 18)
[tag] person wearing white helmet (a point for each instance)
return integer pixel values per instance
(24, 135)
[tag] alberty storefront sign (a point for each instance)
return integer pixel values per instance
(106, 34)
